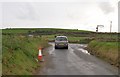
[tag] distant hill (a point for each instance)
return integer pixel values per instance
(25, 30)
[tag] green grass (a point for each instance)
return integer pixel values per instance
(49, 37)
(107, 37)
(19, 54)
(25, 30)
(80, 40)
(76, 38)
(105, 50)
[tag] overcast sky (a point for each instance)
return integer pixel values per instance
(83, 15)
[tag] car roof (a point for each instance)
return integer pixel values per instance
(62, 36)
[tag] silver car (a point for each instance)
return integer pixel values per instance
(61, 42)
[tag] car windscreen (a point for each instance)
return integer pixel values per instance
(61, 39)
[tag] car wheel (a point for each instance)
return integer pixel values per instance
(56, 47)
(67, 47)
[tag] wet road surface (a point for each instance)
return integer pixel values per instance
(75, 61)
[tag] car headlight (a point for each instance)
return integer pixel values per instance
(66, 44)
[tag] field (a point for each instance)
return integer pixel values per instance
(74, 35)
(71, 39)
(26, 30)
(20, 53)
(110, 37)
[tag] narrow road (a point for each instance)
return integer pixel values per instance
(75, 61)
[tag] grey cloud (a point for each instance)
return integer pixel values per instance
(27, 12)
(106, 7)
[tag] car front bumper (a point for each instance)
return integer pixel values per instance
(61, 45)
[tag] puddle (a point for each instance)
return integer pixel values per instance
(83, 45)
(84, 51)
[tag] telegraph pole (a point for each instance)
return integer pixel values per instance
(110, 26)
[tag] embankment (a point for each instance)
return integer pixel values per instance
(19, 54)
(105, 50)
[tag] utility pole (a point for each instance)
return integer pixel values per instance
(110, 26)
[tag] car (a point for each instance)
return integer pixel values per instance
(61, 42)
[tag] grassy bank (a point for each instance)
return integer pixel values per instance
(105, 50)
(19, 54)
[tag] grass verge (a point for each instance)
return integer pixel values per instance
(19, 54)
(105, 50)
